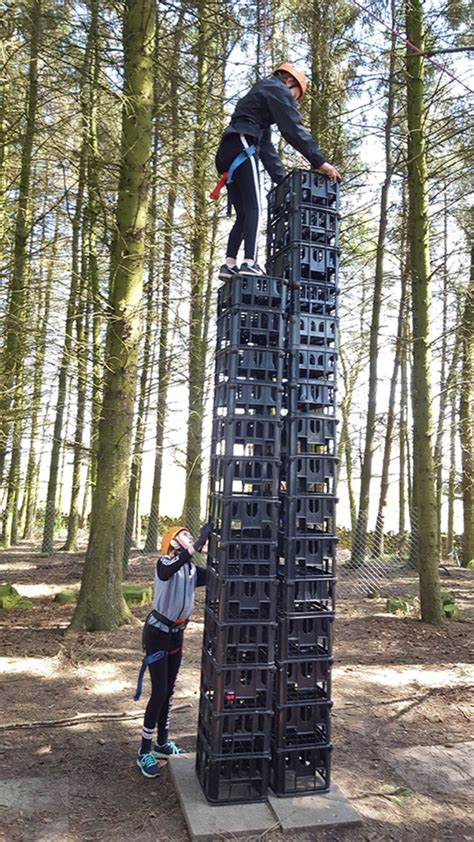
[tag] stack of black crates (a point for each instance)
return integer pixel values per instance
(303, 250)
(238, 662)
(265, 693)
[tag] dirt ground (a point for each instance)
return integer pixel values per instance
(397, 683)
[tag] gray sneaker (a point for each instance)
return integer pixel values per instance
(254, 269)
(226, 272)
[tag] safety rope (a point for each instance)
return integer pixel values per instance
(413, 47)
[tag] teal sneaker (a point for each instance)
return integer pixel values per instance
(169, 749)
(148, 765)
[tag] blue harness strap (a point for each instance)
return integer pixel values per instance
(147, 660)
(247, 153)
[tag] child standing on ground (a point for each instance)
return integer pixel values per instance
(176, 578)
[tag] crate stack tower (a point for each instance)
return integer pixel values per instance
(265, 697)
(238, 660)
(302, 245)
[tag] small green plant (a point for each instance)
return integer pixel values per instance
(11, 599)
(137, 594)
(451, 611)
(64, 597)
(397, 605)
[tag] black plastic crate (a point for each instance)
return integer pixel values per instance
(258, 328)
(232, 780)
(235, 732)
(306, 557)
(309, 436)
(316, 365)
(313, 298)
(237, 688)
(246, 437)
(307, 224)
(229, 644)
(245, 364)
(303, 724)
(310, 474)
(303, 681)
(301, 638)
(245, 559)
(308, 331)
(249, 292)
(303, 187)
(307, 596)
(240, 600)
(252, 399)
(304, 262)
(252, 476)
(309, 516)
(296, 771)
(244, 519)
(310, 399)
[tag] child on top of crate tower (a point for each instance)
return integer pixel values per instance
(247, 138)
(176, 579)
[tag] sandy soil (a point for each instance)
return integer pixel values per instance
(397, 683)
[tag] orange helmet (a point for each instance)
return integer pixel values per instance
(168, 537)
(297, 74)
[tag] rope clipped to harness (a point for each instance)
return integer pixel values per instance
(227, 177)
(147, 660)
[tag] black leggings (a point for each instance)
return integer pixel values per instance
(163, 674)
(244, 194)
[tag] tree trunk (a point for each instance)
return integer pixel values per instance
(14, 331)
(453, 394)
(93, 196)
(466, 420)
(438, 448)
(199, 247)
(164, 368)
(80, 320)
(360, 537)
(50, 508)
(345, 444)
(378, 540)
(140, 425)
(32, 467)
(101, 605)
(418, 235)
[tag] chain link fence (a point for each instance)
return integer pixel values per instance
(368, 562)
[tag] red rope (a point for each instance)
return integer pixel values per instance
(413, 47)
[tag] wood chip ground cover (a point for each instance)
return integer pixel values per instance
(397, 683)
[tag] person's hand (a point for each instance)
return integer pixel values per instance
(331, 172)
(203, 536)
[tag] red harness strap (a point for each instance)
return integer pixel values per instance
(175, 651)
(220, 184)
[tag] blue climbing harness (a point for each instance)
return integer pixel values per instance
(147, 660)
(246, 153)
(227, 177)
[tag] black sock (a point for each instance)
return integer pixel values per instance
(146, 746)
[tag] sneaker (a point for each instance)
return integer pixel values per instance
(254, 269)
(169, 749)
(226, 272)
(147, 764)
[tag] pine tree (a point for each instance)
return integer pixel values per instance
(101, 604)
